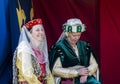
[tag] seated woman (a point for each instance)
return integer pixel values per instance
(30, 61)
(72, 58)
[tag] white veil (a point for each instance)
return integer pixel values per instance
(26, 36)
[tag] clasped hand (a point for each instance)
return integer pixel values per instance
(83, 72)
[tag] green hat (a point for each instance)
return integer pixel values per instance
(74, 25)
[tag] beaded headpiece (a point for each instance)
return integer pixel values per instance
(31, 23)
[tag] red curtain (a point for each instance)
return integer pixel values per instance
(110, 41)
(56, 12)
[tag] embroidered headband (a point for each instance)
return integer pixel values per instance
(74, 25)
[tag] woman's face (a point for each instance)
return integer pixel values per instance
(38, 32)
(74, 37)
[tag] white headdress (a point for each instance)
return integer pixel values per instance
(72, 25)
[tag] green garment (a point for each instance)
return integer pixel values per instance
(68, 57)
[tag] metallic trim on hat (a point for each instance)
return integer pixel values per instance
(73, 28)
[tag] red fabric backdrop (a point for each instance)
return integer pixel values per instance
(103, 29)
(110, 41)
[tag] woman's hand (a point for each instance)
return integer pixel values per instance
(83, 72)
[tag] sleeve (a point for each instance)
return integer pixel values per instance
(50, 79)
(23, 77)
(63, 72)
(93, 65)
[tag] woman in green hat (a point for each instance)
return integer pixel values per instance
(71, 58)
